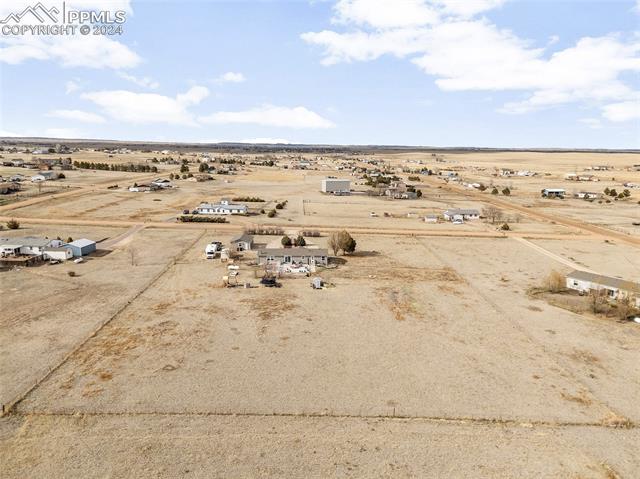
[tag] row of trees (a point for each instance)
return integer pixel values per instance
(130, 167)
(614, 194)
(288, 242)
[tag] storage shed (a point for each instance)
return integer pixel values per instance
(82, 247)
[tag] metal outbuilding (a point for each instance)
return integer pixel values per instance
(82, 247)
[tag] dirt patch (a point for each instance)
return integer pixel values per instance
(399, 301)
(267, 309)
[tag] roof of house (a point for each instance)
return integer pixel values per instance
(295, 251)
(616, 283)
(229, 206)
(82, 242)
(244, 237)
(25, 241)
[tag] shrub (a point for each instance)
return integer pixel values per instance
(201, 219)
(419, 193)
(271, 213)
(300, 241)
(505, 227)
(494, 191)
(69, 239)
(13, 224)
(555, 282)
(71, 273)
(249, 199)
(279, 206)
(414, 178)
(285, 241)
(262, 211)
(506, 191)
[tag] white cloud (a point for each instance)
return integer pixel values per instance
(92, 51)
(76, 115)
(230, 77)
(623, 111)
(270, 115)
(465, 53)
(266, 141)
(384, 14)
(144, 82)
(62, 133)
(71, 86)
(141, 108)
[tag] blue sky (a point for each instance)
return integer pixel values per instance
(493, 73)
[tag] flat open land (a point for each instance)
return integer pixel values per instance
(427, 354)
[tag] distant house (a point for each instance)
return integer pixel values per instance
(614, 288)
(576, 177)
(44, 176)
(225, 207)
(431, 218)
(162, 183)
(143, 188)
(400, 191)
(466, 214)
(553, 193)
(244, 242)
(301, 255)
(336, 186)
(82, 247)
(507, 172)
(586, 195)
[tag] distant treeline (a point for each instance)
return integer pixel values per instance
(139, 168)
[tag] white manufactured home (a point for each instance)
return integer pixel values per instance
(225, 207)
(27, 245)
(298, 255)
(465, 214)
(614, 288)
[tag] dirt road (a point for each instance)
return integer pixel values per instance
(229, 227)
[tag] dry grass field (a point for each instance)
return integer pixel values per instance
(426, 354)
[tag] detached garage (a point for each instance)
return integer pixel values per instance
(82, 247)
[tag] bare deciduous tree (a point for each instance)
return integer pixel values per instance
(492, 213)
